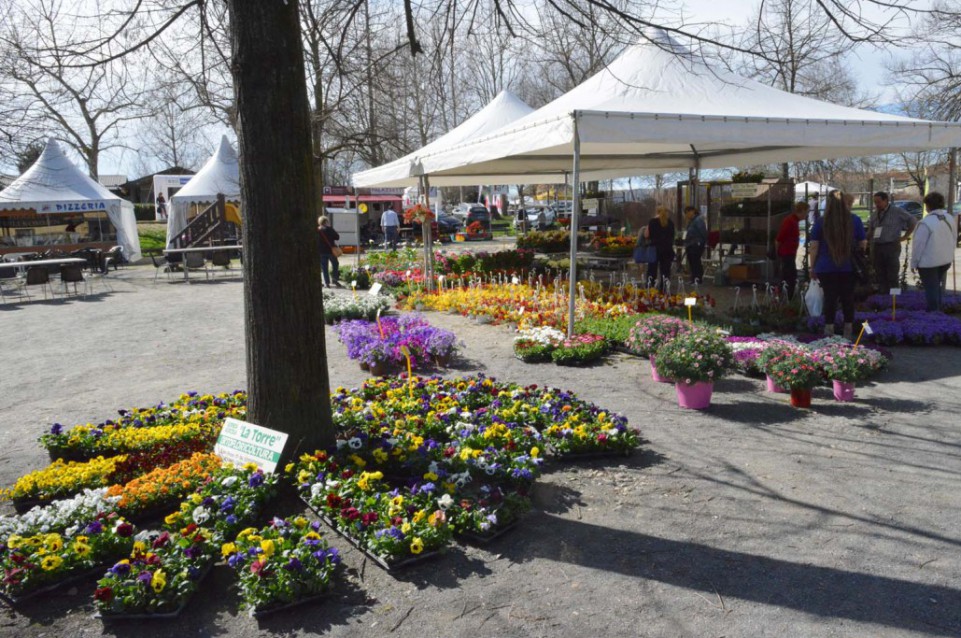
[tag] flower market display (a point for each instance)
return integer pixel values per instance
(842, 362)
(908, 327)
(382, 343)
(345, 308)
(422, 460)
(750, 353)
(164, 568)
(286, 563)
(551, 241)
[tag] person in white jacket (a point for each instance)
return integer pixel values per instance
(932, 251)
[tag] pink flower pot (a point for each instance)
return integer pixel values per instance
(843, 391)
(694, 396)
(657, 377)
(773, 387)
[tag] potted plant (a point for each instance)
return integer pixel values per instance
(768, 352)
(695, 360)
(845, 366)
(796, 370)
(652, 332)
(379, 356)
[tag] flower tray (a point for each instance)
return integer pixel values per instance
(71, 455)
(387, 565)
(24, 505)
(533, 359)
(151, 514)
(15, 601)
(163, 615)
(261, 612)
(480, 538)
(573, 457)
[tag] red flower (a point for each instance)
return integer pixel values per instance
(190, 529)
(334, 501)
(368, 518)
(162, 540)
(124, 530)
(104, 594)
(259, 568)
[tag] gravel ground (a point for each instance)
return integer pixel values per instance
(750, 519)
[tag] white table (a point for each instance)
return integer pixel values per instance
(197, 249)
(42, 262)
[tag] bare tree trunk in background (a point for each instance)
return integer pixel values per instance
(283, 304)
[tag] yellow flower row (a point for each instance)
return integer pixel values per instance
(62, 478)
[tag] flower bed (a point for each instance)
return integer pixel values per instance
(59, 515)
(580, 350)
(551, 241)
(533, 306)
(792, 368)
(909, 327)
(749, 351)
(285, 563)
(912, 300)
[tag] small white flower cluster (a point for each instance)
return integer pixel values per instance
(544, 334)
(59, 515)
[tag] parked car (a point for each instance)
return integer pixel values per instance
(462, 210)
(540, 217)
(448, 224)
(915, 208)
(477, 214)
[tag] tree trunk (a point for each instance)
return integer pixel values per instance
(283, 300)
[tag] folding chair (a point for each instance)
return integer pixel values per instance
(73, 274)
(196, 261)
(39, 276)
(11, 284)
(221, 258)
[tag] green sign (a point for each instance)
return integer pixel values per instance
(241, 442)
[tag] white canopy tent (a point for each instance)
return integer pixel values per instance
(406, 171)
(221, 174)
(659, 108)
(55, 185)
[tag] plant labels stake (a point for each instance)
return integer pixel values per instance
(690, 302)
(409, 290)
(380, 327)
(404, 350)
(375, 289)
(353, 288)
(895, 292)
(865, 327)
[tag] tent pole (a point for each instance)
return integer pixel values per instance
(952, 198)
(426, 236)
(575, 213)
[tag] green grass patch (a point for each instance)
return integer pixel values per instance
(153, 236)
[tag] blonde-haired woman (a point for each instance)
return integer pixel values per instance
(327, 240)
(659, 232)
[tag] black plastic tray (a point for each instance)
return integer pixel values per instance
(164, 615)
(261, 613)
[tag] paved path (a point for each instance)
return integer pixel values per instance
(752, 519)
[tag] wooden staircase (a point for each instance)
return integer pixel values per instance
(207, 228)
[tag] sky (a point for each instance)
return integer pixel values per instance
(865, 61)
